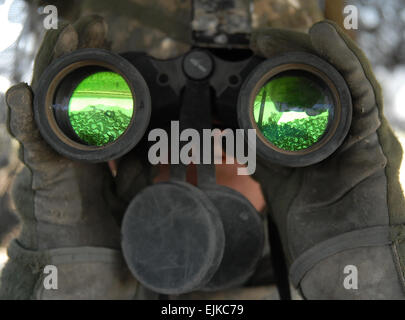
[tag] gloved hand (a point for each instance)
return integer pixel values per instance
(69, 211)
(349, 209)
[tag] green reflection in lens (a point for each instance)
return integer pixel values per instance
(101, 108)
(292, 111)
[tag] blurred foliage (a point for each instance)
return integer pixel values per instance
(381, 31)
(291, 14)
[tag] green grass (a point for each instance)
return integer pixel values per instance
(99, 125)
(101, 108)
(297, 134)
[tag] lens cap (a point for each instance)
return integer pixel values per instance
(244, 234)
(172, 238)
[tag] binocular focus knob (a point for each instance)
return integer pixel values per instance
(198, 65)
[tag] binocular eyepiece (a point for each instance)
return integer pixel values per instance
(94, 105)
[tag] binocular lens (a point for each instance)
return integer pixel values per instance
(100, 108)
(293, 110)
(300, 107)
(92, 105)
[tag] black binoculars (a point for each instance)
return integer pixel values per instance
(94, 105)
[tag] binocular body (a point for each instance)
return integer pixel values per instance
(93, 105)
(298, 104)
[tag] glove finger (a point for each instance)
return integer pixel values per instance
(271, 42)
(22, 126)
(67, 42)
(92, 31)
(52, 174)
(55, 43)
(334, 46)
(87, 32)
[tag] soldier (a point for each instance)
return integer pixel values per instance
(345, 211)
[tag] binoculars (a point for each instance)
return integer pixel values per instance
(94, 105)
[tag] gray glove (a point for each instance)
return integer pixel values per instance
(349, 209)
(69, 211)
